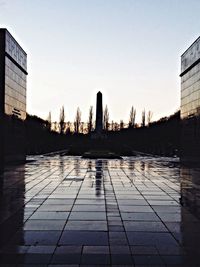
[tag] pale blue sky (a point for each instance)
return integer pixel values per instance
(128, 49)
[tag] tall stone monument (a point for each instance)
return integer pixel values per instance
(99, 114)
(99, 147)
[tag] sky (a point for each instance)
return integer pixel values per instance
(127, 49)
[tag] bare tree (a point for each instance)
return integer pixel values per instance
(106, 119)
(132, 117)
(149, 117)
(77, 121)
(90, 120)
(62, 120)
(143, 118)
(116, 127)
(121, 125)
(68, 127)
(82, 127)
(112, 126)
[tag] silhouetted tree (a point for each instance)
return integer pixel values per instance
(82, 127)
(112, 126)
(121, 125)
(116, 127)
(90, 120)
(77, 121)
(62, 120)
(68, 127)
(106, 119)
(143, 118)
(149, 117)
(132, 117)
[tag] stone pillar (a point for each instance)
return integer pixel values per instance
(99, 113)
(2, 98)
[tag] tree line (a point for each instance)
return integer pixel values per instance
(38, 136)
(78, 126)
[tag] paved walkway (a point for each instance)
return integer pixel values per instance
(67, 211)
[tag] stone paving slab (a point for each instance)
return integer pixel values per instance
(72, 212)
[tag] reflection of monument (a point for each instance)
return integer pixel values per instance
(99, 113)
(98, 176)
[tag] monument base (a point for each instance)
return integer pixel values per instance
(98, 135)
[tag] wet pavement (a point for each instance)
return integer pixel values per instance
(67, 211)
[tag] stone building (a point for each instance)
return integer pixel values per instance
(190, 103)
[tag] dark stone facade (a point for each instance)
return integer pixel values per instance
(13, 72)
(190, 103)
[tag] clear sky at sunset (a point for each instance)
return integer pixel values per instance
(128, 49)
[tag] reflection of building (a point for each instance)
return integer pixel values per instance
(12, 207)
(13, 73)
(190, 212)
(190, 102)
(190, 189)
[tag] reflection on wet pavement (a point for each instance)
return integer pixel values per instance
(68, 211)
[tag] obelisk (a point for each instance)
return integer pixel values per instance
(99, 114)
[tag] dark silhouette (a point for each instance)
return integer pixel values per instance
(90, 120)
(62, 120)
(143, 118)
(37, 136)
(99, 113)
(116, 126)
(106, 119)
(68, 128)
(132, 117)
(82, 129)
(39, 139)
(112, 126)
(13, 71)
(121, 125)
(77, 122)
(149, 117)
